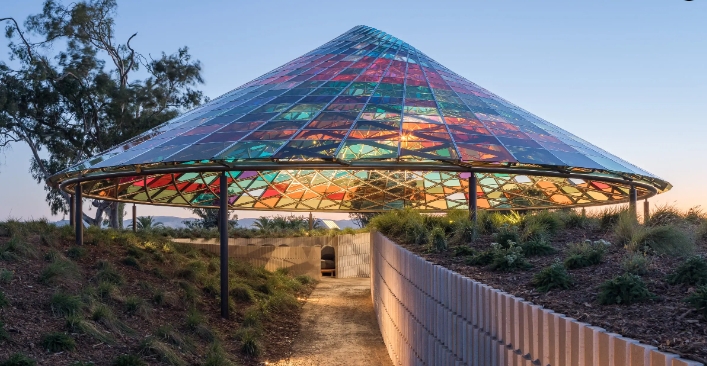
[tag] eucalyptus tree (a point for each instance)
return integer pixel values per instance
(70, 90)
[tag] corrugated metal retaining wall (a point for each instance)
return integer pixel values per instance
(299, 255)
(429, 315)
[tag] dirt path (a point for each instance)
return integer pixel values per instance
(338, 327)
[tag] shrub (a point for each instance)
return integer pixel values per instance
(551, 277)
(537, 247)
(508, 258)
(585, 254)
(463, 233)
(534, 231)
(58, 342)
(107, 273)
(5, 276)
(610, 216)
(438, 240)
(304, 279)
(668, 240)
(693, 271)
(463, 251)
(626, 228)
(135, 305)
(128, 360)
(163, 351)
(507, 234)
(698, 299)
(281, 302)
(545, 221)
(481, 259)
(575, 220)
(101, 312)
(250, 341)
(17, 247)
(65, 304)
(58, 271)
(194, 319)
(18, 359)
(635, 263)
(664, 215)
(105, 290)
(251, 318)
(216, 356)
(76, 252)
(625, 289)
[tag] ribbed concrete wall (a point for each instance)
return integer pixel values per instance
(429, 315)
(352, 254)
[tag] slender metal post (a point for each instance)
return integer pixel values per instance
(72, 214)
(584, 212)
(78, 210)
(632, 200)
(472, 202)
(646, 211)
(311, 222)
(223, 233)
(134, 218)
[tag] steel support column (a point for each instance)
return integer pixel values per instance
(311, 222)
(646, 211)
(78, 210)
(472, 201)
(72, 212)
(223, 239)
(632, 200)
(134, 218)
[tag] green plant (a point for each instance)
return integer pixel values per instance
(16, 247)
(60, 270)
(58, 342)
(101, 312)
(51, 255)
(107, 273)
(194, 319)
(76, 324)
(216, 356)
(669, 240)
(463, 251)
(130, 261)
(128, 360)
(665, 215)
(626, 228)
(698, 300)
(3, 300)
(586, 254)
(281, 302)
(507, 234)
(552, 277)
(105, 290)
(438, 240)
(241, 292)
(304, 279)
(163, 351)
(251, 318)
(507, 258)
(692, 271)
(609, 216)
(168, 334)
(135, 305)
(544, 221)
(537, 247)
(6, 275)
(250, 341)
(624, 289)
(636, 263)
(18, 359)
(481, 258)
(4, 336)
(65, 304)
(575, 220)
(76, 252)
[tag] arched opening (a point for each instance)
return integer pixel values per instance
(328, 261)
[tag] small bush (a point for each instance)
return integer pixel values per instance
(130, 261)
(665, 215)
(534, 231)
(59, 270)
(624, 290)
(128, 360)
(16, 247)
(216, 356)
(250, 341)
(194, 319)
(693, 271)
(506, 234)
(135, 305)
(480, 259)
(101, 312)
(610, 216)
(18, 359)
(586, 254)
(58, 342)
(552, 277)
(76, 252)
(163, 351)
(105, 290)
(536, 248)
(508, 258)
(107, 273)
(698, 300)
(626, 228)
(575, 220)
(438, 240)
(463, 251)
(545, 221)
(669, 240)
(304, 279)
(65, 304)
(242, 293)
(281, 302)
(5, 276)
(636, 263)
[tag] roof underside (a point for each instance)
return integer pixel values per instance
(365, 122)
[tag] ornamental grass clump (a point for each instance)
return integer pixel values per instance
(552, 277)
(438, 240)
(550, 222)
(669, 240)
(624, 290)
(636, 263)
(537, 248)
(698, 300)
(586, 254)
(58, 342)
(507, 234)
(692, 271)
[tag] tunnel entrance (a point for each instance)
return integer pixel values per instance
(328, 261)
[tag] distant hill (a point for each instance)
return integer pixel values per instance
(178, 222)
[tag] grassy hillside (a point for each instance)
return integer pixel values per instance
(125, 299)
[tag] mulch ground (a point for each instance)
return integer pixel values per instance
(29, 315)
(666, 322)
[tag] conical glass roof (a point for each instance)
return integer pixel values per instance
(365, 122)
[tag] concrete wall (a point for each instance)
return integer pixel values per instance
(429, 315)
(352, 253)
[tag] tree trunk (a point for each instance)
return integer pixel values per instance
(113, 214)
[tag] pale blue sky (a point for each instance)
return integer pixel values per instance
(629, 76)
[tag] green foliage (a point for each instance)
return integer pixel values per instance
(575, 220)
(586, 254)
(544, 221)
(76, 324)
(624, 290)
(670, 240)
(130, 261)
(128, 360)
(626, 228)
(281, 302)
(216, 356)
(161, 350)
(58, 342)
(552, 277)
(18, 359)
(463, 251)
(304, 279)
(147, 223)
(242, 293)
(665, 215)
(438, 240)
(3, 300)
(609, 216)
(65, 304)
(168, 334)
(194, 319)
(16, 248)
(507, 258)
(135, 305)
(102, 312)
(536, 248)
(507, 234)
(76, 252)
(250, 341)
(692, 271)
(698, 300)
(702, 231)
(60, 270)
(108, 273)
(636, 263)
(6, 275)
(481, 258)
(4, 336)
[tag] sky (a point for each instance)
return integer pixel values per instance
(629, 76)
